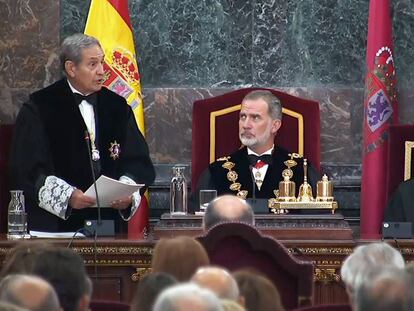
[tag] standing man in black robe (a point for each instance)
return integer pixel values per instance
(50, 159)
(256, 169)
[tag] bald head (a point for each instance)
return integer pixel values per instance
(219, 281)
(30, 292)
(227, 208)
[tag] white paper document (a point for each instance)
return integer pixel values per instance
(110, 190)
(55, 235)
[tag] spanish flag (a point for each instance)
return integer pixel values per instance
(110, 23)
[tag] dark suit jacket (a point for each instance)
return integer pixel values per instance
(401, 206)
(49, 139)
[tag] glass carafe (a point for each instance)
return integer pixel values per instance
(178, 192)
(17, 217)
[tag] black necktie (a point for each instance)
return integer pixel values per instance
(91, 98)
(253, 159)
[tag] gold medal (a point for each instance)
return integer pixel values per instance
(232, 176)
(235, 186)
(228, 165)
(242, 194)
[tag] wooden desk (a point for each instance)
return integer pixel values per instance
(282, 227)
(116, 265)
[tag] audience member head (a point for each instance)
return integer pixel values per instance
(259, 293)
(367, 257)
(219, 281)
(20, 259)
(65, 271)
(180, 257)
(30, 292)
(148, 290)
(81, 58)
(384, 289)
(185, 297)
(227, 208)
(260, 119)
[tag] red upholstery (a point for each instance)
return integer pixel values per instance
(225, 140)
(399, 134)
(327, 307)
(108, 305)
(238, 245)
(5, 142)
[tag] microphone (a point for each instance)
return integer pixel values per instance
(99, 227)
(253, 182)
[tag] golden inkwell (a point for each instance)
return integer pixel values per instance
(285, 198)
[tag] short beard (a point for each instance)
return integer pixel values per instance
(248, 142)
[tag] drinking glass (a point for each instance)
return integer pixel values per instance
(206, 195)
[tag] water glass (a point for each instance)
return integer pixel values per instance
(206, 195)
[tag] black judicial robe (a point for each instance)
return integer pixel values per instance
(215, 177)
(49, 139)
(401, 205)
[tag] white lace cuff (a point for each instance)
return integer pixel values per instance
(136, 199)
(54, 196)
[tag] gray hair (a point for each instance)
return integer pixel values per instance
(72, 47)
(383, 290)
(172, 298)
(273, 103)
(367, 257)
(11, 285)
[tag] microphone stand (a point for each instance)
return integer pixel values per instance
(102, 227)
(88, 139)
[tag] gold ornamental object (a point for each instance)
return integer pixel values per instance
(305, 190)
(285, 199)
(324, 190)
(287, 187)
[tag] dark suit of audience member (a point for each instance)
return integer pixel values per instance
(50, 159)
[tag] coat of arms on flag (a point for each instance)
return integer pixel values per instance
(380, 96)
(122, 76)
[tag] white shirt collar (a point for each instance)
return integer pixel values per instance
(250, 151)
(73, 89)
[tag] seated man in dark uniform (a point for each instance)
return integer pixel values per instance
(61, 128)
(401, 206)
(256, 169)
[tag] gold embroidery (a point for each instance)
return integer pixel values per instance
(232, 176)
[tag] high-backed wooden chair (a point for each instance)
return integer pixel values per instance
(400, 165)
(215, 128)
(238, 245)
